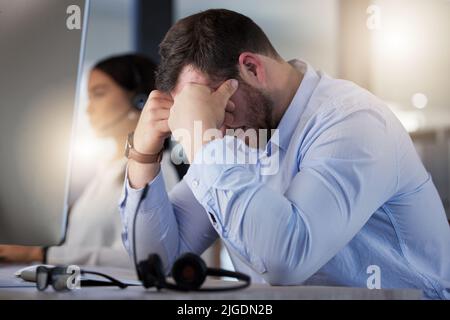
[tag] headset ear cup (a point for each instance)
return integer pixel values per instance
(139, 101)
(189, 271)
(151, 272)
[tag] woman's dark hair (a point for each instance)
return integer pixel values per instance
(132, 72)
(211, 41)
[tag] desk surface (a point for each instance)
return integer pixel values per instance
(254, 292)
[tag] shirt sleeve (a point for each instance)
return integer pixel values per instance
(347, 172)
(168, 225)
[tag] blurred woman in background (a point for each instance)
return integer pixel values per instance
(118, 88)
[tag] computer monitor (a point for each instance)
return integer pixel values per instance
(41, 55)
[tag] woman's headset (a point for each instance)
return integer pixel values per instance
(140, 95)
(189, 271)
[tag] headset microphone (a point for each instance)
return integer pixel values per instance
(139, 100)
(140, 95)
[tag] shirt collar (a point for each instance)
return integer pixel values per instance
(291, 117)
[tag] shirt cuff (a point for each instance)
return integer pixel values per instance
(155, 196)
(212, 161)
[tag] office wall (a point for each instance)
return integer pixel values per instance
(306, 29)
(411, 54)
(110, 29)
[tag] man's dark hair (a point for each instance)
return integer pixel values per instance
(211, 41)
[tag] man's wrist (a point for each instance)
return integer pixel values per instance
(140, 174)
(132, 153)
(156, 148)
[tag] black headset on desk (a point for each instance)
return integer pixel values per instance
(189, 271)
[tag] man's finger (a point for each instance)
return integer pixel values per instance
(160, 114)
(163, 126)
(227, 89)
(160, 95)
(158, 103)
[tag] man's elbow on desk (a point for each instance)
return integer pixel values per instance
(284, 270)
(280, 273)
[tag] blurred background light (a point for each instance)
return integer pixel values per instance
(419, 100)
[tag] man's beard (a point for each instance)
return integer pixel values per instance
(258, 112)
(259, 108)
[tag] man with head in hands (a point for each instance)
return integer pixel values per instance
(337, 190)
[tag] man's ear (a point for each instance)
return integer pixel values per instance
(252, 69)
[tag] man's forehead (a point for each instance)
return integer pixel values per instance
(190, 74)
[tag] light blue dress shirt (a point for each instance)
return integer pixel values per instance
(338, 192)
